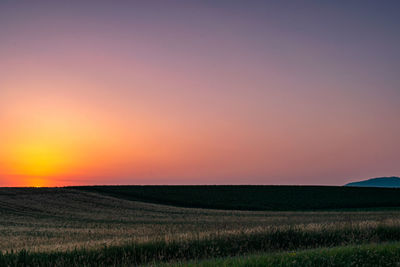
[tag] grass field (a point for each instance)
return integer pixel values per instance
(257, 197)
(365, 255)
(69, 227)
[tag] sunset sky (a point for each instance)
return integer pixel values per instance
(198, 92)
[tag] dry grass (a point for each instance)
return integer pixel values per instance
(65, 219)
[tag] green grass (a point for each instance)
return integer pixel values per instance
(365, 255)
(257, 197)
(211, 247)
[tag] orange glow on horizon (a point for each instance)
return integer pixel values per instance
(37, 160)
(115, 94)
(37, 182)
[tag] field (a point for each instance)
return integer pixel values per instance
(257, 197)
(365, 255)
(71, 227)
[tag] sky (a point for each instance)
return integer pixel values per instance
(198, 92)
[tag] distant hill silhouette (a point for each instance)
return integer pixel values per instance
(378, 182)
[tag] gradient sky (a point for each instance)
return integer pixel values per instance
(198, 92)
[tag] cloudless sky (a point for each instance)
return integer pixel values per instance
(198, 92)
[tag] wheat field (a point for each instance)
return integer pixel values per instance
(59, 219)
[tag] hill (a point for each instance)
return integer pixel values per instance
(391, 182)
(256, 197)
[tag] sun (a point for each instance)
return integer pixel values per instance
(37, 163)
(37, 182)
(38, 160)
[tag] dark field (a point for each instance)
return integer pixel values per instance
(69, 227)
(371, 255)
(287, 198)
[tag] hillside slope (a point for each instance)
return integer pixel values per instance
(48, 219)
(68, 227)
(256, 197)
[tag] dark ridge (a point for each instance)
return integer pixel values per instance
(260, 198)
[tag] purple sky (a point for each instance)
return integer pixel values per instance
(198, 92)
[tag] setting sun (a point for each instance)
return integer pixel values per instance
(38, 160)
(37, 182)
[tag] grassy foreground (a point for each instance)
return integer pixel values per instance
(211, 247)
(365, 255)
(67, 227)
(257, 197)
